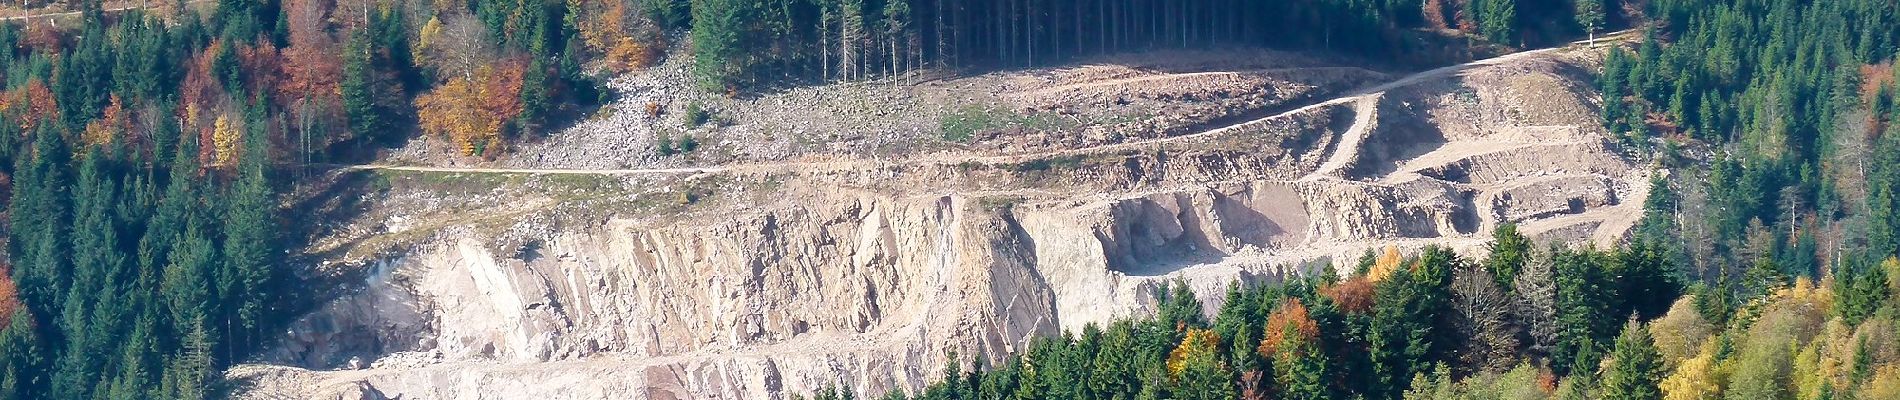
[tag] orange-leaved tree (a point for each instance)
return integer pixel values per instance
(1353, 295)
(111, 123)
(1287, 324)
(472, 111)
(34, 103)
(9, 294)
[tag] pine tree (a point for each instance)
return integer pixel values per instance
(1497, 19)
(40, 223)
(719, 55)
(1509, 251)
(1410, 323)
(1635, 367)
(1583, 308)
(1302, 372)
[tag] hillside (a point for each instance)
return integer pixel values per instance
(950, 199)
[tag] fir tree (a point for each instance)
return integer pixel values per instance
(1635, 367)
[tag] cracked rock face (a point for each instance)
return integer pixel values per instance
(779, 283)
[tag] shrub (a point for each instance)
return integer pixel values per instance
(697, 115)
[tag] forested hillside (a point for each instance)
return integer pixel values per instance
(143, 149)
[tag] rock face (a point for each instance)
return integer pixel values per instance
(866, 277)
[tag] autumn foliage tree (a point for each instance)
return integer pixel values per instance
(626, 39)
(1287, 324)
(111, 123)
(1196, 370)
(313, 69)
(35, 103)
(473, 111)
(9, 294)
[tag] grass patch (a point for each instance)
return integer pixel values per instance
(999, 203)
(963, 125)
(451, 182)
(1046, 164)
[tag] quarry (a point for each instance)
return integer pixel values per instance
(860, 234)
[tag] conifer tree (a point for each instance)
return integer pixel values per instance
(1635, 367)
(20, 370)
(358, 88)
(1509, 251)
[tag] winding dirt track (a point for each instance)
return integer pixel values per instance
(1365, 100)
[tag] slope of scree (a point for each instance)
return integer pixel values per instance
(761, 278)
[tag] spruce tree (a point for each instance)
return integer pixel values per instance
(249, 244)
(358, 89)
(1635, 367)
(21, 374)
(1301, 370)
(1509, 251)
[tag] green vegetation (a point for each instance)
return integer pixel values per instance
(141, 153)
(697, 114)
(1789, 96)
(963, 125)
(669, 146)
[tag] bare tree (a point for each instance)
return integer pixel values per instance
(461, 47)
(1481, 314)
(1535, 304)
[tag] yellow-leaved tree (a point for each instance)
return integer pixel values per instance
(1679, 334)
(1698, 378)
(1885, 384)
(1386, 263)
(227, 138)
(1199, 346)
(627, 39)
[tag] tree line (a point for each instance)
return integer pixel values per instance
(741, 44)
